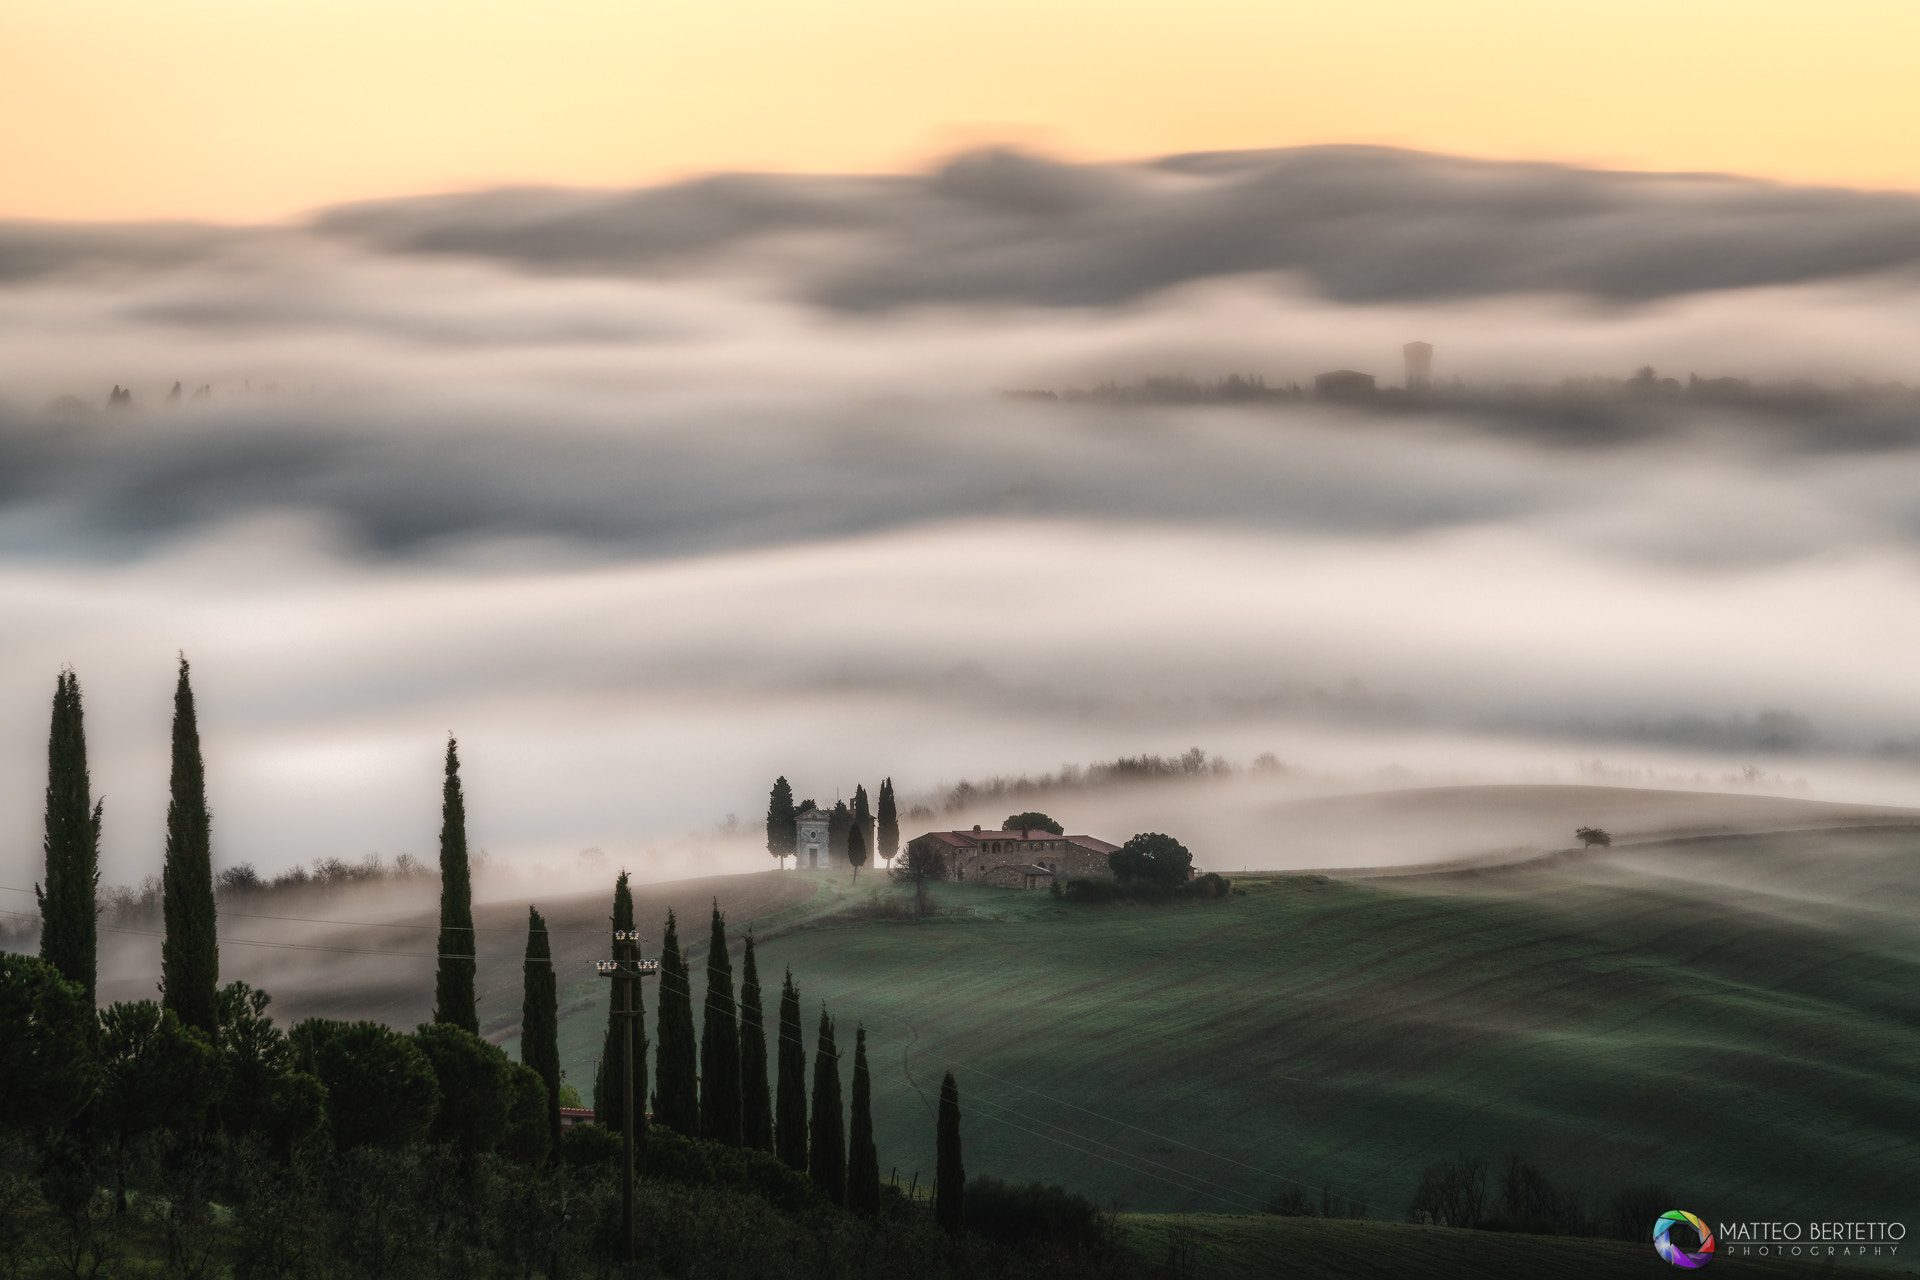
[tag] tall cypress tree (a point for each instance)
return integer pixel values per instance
(863, 1158)
(838, 820)
(756, 1104)
(790, 1102)
(69, 928)
(856, 850)
(863, 818)
(453, 983)
(676, 1103)
(950, 1172)
(887, 844)
(609, 1102)
(190, 955)
(782, 839)
(540, 1021)
(827, 1154)
(719, 1044)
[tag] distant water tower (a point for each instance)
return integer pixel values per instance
(1419, 365)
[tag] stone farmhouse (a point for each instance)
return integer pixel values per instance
(1018, 859)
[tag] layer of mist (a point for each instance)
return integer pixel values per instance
(651, 496)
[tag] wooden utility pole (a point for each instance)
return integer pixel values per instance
(628, 965)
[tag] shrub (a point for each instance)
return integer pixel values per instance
(590, 1146)
(46, 1055)
(1153, 857)
(381, 1089)
(1034, 1214)
(475, 1088)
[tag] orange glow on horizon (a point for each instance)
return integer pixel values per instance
(241, 110)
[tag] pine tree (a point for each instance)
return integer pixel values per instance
(540, 1021)
(790, 1103)
(782, 840)
(887, 845)
(719, 1044)
(756, 1104)
(863, 1158)
(676, 1101)
(69, 927)
(856, 850)
(950, 1173)
(827, 1151)
(453, 982)
(190, 955)
(609, 1102)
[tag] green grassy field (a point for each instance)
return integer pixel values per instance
(1737, 1019)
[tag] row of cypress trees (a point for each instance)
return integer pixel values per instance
(69, 935)
(726, 1098)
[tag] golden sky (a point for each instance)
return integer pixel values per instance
(251, 109)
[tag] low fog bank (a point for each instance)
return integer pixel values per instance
(653, 496)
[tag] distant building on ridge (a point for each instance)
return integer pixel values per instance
(1419, 365)
(1018, 859)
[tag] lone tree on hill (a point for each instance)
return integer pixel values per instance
(69, 929)
(453, 999)
(540, 1021)
(1591, 836)
(190, 955)
(856, 850)
(609, 1097)
(756, 1105)
(1154, 858)
(790, 1105)
(781, 838)
(827, 1156)
(950, 1172)
(719, 1044)
(1032, 820)
(863, 1158)
(887, 845)
(923, 865)
(676, 1103)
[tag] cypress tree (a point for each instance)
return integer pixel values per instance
(69, 927)
(863, 1158)
(719, 1044)
(887, 845)
(540, 1021)
(863, 818)
(827, 1154)
(856, 850)
(950, 1173)
(453, 982)
(190, 955)
(837, 823)
(782, 839)
(790, 1102)
(756, 1105)
(609, 1103)
(676, 1103)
